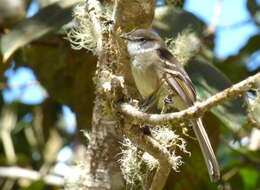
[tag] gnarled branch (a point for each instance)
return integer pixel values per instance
(195, 111)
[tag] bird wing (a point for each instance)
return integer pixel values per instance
(176, 77)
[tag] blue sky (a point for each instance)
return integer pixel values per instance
(228, 39)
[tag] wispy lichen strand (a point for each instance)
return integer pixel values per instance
(82, 34)
(185, 46)
(136, 165)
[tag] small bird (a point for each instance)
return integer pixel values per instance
(159, 75)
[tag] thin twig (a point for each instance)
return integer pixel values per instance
(214, 22)
(7, 123)
(236, 25)
(195, 111)
(16, 172)
(160, 176)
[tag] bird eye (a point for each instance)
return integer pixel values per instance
(142, 39)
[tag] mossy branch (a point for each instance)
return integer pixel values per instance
(197, 110)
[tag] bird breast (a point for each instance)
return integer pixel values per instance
(145, 74)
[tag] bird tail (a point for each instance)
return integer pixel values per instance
(207, 151)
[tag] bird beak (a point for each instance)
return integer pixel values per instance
(126, 37)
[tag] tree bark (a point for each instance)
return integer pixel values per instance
(102, 166)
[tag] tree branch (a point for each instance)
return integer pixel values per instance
(215, 19)
(95, 12)
(148, 144)
(103, 147)
(195, 111)
(160, 176)
(15, 172)
(155, 149)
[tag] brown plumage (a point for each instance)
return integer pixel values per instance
(157, 72)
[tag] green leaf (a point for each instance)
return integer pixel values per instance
(252, 45)
(250, 177)
(36, 185)
(45, 21)
(208, 81)
(251, 154)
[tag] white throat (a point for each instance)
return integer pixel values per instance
(135, 48)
